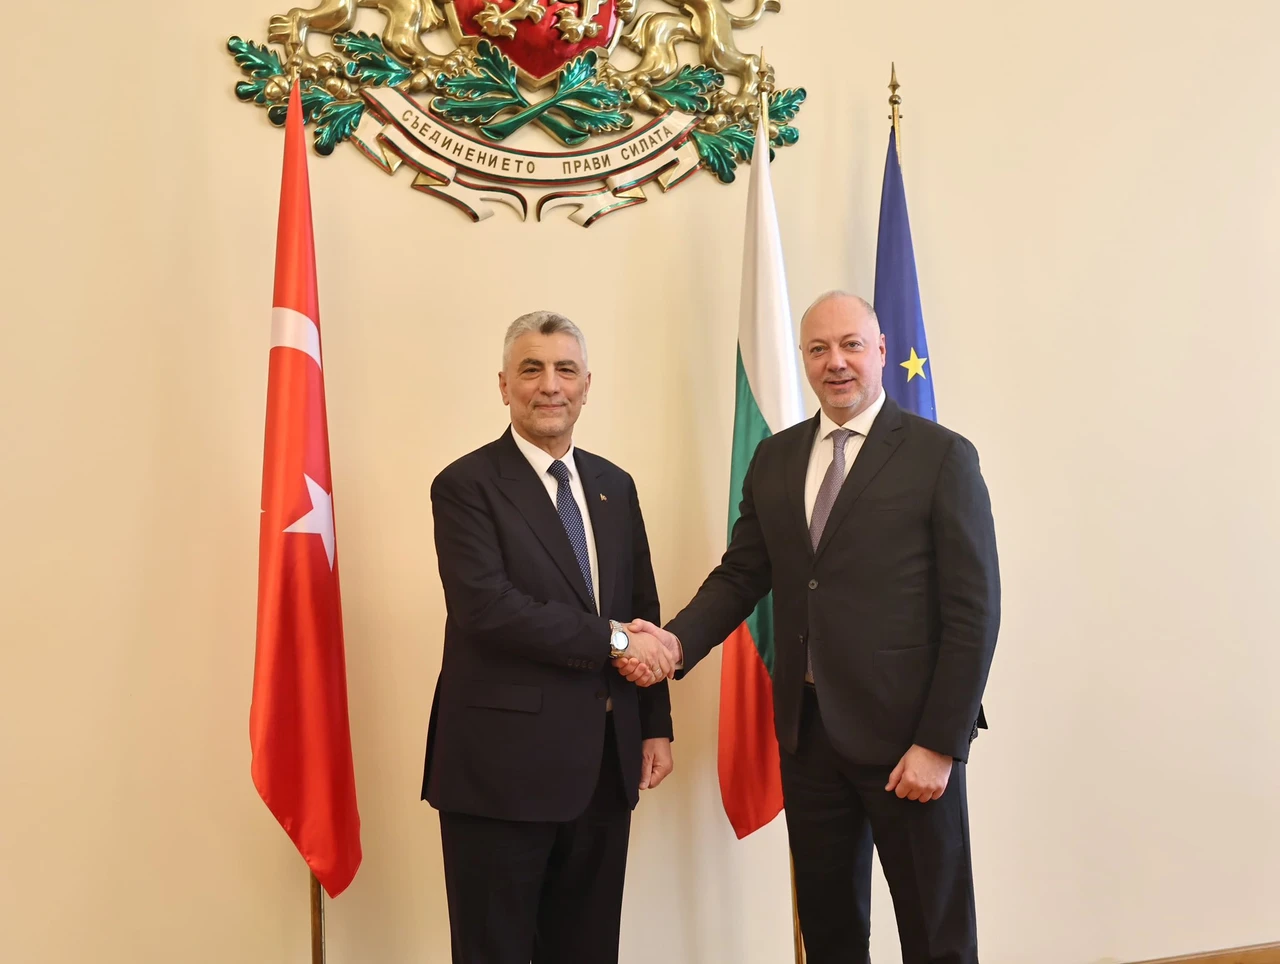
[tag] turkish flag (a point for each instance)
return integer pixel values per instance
(298, 724)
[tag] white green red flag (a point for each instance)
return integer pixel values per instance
(768, 401)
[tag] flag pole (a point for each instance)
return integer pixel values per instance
(317, 922)
(761, 155)
(895, 102)
(293, 70)
(795, 918)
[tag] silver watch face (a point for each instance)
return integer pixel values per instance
(620, 641)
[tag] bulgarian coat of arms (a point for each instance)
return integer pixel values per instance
(533, 105)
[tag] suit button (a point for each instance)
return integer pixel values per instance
(813, 584)
(591, 666)
(601, 694)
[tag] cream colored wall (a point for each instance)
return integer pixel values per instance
(1093, 188)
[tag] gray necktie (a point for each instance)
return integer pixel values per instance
(830, 487)
(827, 493)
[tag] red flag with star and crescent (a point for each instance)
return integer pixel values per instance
(298, 724)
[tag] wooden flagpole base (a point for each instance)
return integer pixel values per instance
(317, 922)
(795, 918)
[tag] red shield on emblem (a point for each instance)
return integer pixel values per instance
(540, 36)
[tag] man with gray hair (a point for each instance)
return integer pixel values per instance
(537, 747)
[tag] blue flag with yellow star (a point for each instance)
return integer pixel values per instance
(908, 376)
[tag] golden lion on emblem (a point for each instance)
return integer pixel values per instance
(654, 35)
(407, 20)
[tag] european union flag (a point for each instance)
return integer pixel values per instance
(908, 377)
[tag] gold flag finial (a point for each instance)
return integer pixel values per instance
(764, 94)
(895, 102)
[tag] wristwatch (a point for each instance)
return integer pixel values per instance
(618, 640)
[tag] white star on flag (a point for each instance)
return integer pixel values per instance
(319, 521)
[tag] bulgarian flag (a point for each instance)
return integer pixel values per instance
(768, 400)
(298, 725)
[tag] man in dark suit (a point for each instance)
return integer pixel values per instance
(537, 748)
(873, 529)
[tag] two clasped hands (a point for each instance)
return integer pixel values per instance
(653, 654)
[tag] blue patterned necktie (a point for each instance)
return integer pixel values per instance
(571, 519)
(823, 504)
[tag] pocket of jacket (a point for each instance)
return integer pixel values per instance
(505, 696)
(902, 672)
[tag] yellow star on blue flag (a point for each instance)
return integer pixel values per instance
(897, 301)
(914, 365)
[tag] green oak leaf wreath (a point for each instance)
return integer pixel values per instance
(580, 106)
(335, 118)
(486, 95)
(370, 62)
(687, 91)
(723, 150)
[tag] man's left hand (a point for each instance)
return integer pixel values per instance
(656, 763)
(920, 775)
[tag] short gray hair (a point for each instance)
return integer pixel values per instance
(541, 323)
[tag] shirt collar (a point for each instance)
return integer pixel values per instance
(860, 423)
(540, 459)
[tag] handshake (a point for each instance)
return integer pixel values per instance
(652, 655)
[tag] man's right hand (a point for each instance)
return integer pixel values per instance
(647, 661)
(637, 666)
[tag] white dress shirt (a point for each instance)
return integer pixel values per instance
(821, 456)
(541, 462)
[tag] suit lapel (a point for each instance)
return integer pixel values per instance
(520, 483)
(886, 436)
(605, 508)
(797, 468)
